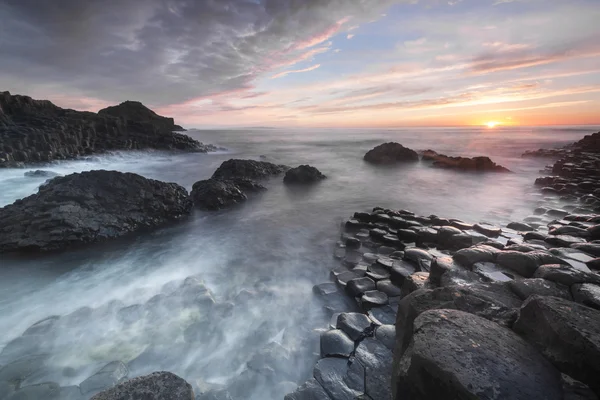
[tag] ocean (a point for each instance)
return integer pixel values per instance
(260, 260)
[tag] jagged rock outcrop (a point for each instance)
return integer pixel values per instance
(473, 164)
(37, 131)
(156, 386)
(89, 207)
(303, 174)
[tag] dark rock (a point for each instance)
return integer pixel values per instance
(355, 325)
(387, 287)
(156, 386)
(594, 264)
(386, 334)
(345, 277)
(525, 288)
(474, 164)
(212, 194)
(566, 333)
(468, 257)
(590, 248)
(248, 169)
(401, 270)
(594, 232)
(310, 390)
(46, 391)
(493, 272)
(563, 240)
(340, 378)
(110, 375)
(18, 370)
(391, 153)
(487, 230)
(575, 390)
(520, 226)
(377, 273)
(89, 207)
(335, 343)
(501, 365)
(566, 274)
(70, 393)
(377, 360)
(570, 231)
(416, 281)
(357, 286)
(39, 173)
(384, 315)
(440, 266)
(302, 175)
(34, 131)
(587, 294)
(420, 257)
(526, 264)
(407, 235)
(325, 288)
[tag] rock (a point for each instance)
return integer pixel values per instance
(110, 375)
(302, 175)
(493, 272)
(310, 390)
(569, 230)
(355, 325)
(526, 264)
(386, 334)
(487, 230)
(324, 289)
(37, 131)
(520, 226)
(377, 360)
(70, 393)
(566, 333)
(566, 274)
(587, 294)
(500, 364)
(475, 164)
(377, 273)
(89, 207)
(156, 386)
(46, 391)
(212, 194)
(386, 286)
(420, 257)
(19, 370)
(335, 343)
(594, 232)
(575, 390)
(593, 264)
(40, 173)
(563, 240)
(440, 266)
(248, 169)
(391, 153)
(416, 281)
(42, 327)
(340, 378)
(357, 286)
(401, 270)
(590, 248)
(384, 315)
(468, 257)
(538, 286)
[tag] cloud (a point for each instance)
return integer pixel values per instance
(350, 36)
(295, 71)
(163, 52)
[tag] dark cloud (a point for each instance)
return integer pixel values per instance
(162, 51)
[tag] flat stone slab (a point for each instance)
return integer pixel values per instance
(341, 379)
(355, 325)
(335, 343)
(310, 390)
(377, 359)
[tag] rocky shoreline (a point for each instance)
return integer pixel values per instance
(38, 132)
(412, 299)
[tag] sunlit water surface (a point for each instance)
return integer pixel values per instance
(259, 260)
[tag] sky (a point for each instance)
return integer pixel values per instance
(311, 63)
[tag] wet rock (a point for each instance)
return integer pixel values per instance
(566, 274)
(46, 391)
(335, 343)
(419, 257)
(325, 288)
(310, 390)
(212, 194)
(387, 287)
(570, 231)
(575, 390)
(355, 325)
(566, 333)
(40, 173)
(594, 264)
(70, 393)
(563, 240)
(487, 230)
(377, 359)
(557, 213)
(249, 169)
(390, 153)
(156, 386)
(526, 264)
(42, 327)
(386, 334)
(493, 272)
(131, 314)
(594, 232)
(352, 243)
(407, 235)
(440, 266)
(401, 270)
(587, 294)
(18, 370)
(340, 378)
(501, 364)
(22, 346)
(89, 207)
(590, 248)
(525, 288)
(520, 226)
(468, 257)
(416, 281)
(357, 286)
(345, 277)
(303, 174)
(110, 375)
(385, 315)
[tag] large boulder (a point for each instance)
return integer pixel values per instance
(249, 169)
(567, 333)
(456, 355)
(34, 131)
(391, 153)
(474, 164)
(212, 194)
(156, 386)
(89, 207)
(303, 174)
(526, 264)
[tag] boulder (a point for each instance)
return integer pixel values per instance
(538, 286)
(303, 174)
(469, 256)
(89, 207)
(456, 355)
(566, 274)
(586, 293)
(212, 194)
(525, 264)
(335, 343)
(474, 164)
(391, 153)
(156, 386)
(248, 169)
(566, 333)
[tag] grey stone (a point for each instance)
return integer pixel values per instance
(566, 274)
(387, 287)
(357, 286)
(341, 379)
(377, 360)
(468, 257)
(335, 343)
(110, 375)
(156, 386)
(416, 281)
(538, 286)
(19, 370)
(525, 264)
(310, 390)
(386, 334)
(373, 298)
(587, 294)
(355, 325)
(493, 272)
(45, 391)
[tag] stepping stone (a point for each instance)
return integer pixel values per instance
(357, 286)
(372, 299)
(335, 343)
(341, 379)
(355, 325)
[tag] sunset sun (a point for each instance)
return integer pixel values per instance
(492, 124)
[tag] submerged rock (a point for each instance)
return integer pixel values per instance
(41, 174)
(249, 169)
(456, 355)
(89, 207)
(156, 386)
(474, 164)
(391, 153)
(110, 375)
(212, 194)
(303, 174)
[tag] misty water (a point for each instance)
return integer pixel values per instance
(258, 261)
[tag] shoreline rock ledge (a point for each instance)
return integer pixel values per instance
(37, 131)
(89, 207)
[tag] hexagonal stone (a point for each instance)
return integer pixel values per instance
(336, 343)
(341, 379)
(385, 315)
(386, 334)
(386, 286)
(416, 281)
(586, 293)
(400, 271)
(528, 287)
(345, 277)
(357, 286)
(377, 272)
(46, 391)
(310, 390)
(377, 359)
(324, 289)
(355, 325)
(373, 298)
